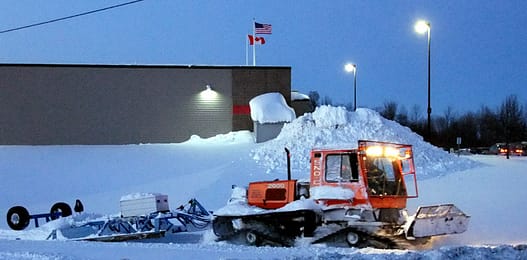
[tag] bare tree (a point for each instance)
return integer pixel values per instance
(488, 126)
(449, 116)
(483, 128)
(389, 110)
(402, 116)
(326, 101)
(416, 122)
(415, 114)
(443, 124)
(314, 97)
(510, 116)
(466, 128)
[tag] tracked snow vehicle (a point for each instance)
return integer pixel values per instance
(354, 197)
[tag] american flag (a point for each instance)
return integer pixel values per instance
(262, 28)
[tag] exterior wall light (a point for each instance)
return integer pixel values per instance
(208, 93)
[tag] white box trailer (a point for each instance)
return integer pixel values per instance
(139, 204)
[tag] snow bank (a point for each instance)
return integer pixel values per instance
(271, 108)
(336, 127)
(238, 137)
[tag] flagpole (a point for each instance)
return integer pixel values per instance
(246, 51)
(254, 45)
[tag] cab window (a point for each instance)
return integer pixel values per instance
(384, 177)
(342, 168)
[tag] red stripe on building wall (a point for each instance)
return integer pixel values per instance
(241, 110)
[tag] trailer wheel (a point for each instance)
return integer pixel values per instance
(18, 218)
(60, 207)
(352, 238)
(251, 238)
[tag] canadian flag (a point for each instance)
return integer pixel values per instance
(256, 40)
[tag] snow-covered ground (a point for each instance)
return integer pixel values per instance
(489, 188)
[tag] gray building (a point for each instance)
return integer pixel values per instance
(43, 104)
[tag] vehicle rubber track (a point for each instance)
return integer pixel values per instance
(364, 240)
(283, 229)
(277, 228)
(266, 235)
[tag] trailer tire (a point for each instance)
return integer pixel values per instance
(251, 238)
(60, 207)
(18, 218)
(352, 238)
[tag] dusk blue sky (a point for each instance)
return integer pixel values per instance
(478, 48)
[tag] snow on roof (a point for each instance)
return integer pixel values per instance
(237, 204)
(271, 108)
(140, 195)
(295, 95)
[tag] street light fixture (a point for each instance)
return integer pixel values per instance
(349, 67)
(424, 27)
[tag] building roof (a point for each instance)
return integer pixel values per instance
(192, 66)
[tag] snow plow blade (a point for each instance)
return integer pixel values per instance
(438, 220)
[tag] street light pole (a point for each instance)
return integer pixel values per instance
(354, 87)
(422, 27)
(349, 68)
(429, 110)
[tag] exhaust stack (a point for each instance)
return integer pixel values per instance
(288, 164)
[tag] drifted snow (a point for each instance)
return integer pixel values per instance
(335, 127)
(238, 137)
(271, 108)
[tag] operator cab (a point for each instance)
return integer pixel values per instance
(389, 173)
(377, 173)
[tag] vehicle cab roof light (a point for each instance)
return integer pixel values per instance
(386, 151)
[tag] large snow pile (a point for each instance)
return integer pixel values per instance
(336, 127)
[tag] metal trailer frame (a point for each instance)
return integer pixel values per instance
(192, 217)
